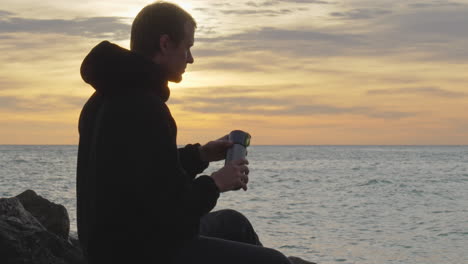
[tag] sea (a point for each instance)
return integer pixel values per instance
(327, 204)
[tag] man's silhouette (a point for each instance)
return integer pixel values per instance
(139, 200)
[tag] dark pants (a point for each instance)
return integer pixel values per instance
(227, 237)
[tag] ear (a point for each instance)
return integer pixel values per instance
(164, 43)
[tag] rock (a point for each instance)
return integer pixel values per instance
(54, 217)
(73, 239)
(23, 239)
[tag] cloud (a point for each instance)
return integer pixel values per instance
(277, 2)
(5, 37)
(270, 33)
(7, 102)
(241, 66)
(305, 1)
(221, 4)
(433, 4)
(428, 34)
(440, 34)
(43, 103)
(206, 30)
(235, 90)
(268, 8)
(228, 106)
(94, 27)
(288, 42)
(431, 91)
(390, 114)
(211, 52)
(6, 84)
(431, 25)
(234, 100)
(262, 4)
(266, 12)
(4, 13)
(257, 11)
(266, 104)
(434, 34)
(361, 14)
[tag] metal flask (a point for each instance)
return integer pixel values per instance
(238, 150)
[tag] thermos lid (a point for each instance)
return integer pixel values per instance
(240, 137)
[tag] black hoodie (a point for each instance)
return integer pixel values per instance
(138, 198)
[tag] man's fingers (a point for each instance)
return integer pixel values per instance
(245, 179)
(225, 137)
(244, 185)
(240, 162)
(244, 169)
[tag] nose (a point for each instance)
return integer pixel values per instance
(189, 57)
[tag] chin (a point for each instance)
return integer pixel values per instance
(176, 79)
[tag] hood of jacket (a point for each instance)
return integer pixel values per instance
(111, 69)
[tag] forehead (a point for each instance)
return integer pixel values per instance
(189, 32)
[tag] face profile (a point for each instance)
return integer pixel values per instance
(173, 57)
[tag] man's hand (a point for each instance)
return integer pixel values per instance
(215, 150)
(233, 176)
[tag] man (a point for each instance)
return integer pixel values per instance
(138, 198)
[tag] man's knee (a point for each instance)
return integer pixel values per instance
(233, 216)
(276, 257)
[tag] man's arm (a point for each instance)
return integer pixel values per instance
(191, 161)
(195, 158)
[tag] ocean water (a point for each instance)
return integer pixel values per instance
(329, 204)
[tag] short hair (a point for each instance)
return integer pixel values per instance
(155, 20)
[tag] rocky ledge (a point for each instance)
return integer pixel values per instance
(34, 230)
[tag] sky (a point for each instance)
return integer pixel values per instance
(289, 72)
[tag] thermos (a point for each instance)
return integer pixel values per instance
(238, 150)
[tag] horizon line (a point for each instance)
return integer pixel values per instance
(283, 145)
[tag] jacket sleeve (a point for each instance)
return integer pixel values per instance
(142, 148)
(189, 157)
